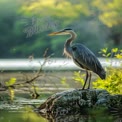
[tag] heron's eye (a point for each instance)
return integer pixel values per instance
(74, 48)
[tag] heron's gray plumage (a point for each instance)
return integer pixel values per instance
(81, 55)
(84, 57)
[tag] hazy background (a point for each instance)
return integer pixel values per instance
(25, 24)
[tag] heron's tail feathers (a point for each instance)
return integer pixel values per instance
(102, 74)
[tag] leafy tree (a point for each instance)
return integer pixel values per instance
(110, 13)
(25, 25)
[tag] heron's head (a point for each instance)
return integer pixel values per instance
(62, 32)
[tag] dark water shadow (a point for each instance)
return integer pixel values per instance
(80, 117)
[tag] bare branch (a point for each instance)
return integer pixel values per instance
(28, 81)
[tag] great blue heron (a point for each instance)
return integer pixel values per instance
(81, 55)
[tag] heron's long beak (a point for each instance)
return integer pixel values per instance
(56, 33)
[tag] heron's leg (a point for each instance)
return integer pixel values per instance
(85, 79)
(89, 80)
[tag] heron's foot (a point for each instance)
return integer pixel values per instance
(86, 88)
(83, 88)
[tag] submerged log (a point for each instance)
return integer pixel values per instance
(78, 100)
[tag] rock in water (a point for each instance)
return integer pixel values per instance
(73, 101)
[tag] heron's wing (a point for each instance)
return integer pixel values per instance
(85, 58)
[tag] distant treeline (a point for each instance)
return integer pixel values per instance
(24, 25)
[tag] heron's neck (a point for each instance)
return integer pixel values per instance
(72, 37)
(69, 41)
(67, 45)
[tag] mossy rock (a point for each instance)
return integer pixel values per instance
(78, 100)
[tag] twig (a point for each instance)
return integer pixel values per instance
(4, 88)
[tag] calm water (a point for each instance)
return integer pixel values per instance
(20, 116)
(51, 64)
(28, 115)
(23, 108)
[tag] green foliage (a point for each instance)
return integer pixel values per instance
(24, 30)
(115, 53)
(105, 53)
(64, 82)
(9, 84)
(113, 82)
(110, 11)
(11, 93)
(78, 77)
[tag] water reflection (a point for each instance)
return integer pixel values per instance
(20, 116)
(29, 115)
(83, 118)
